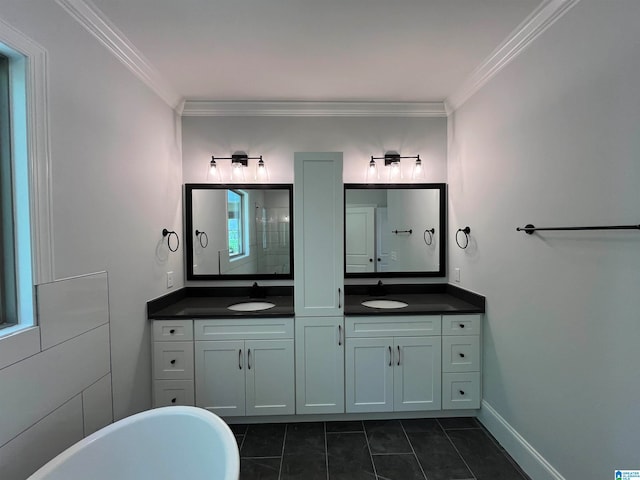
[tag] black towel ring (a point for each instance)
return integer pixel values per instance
(466, 231)
(430, 232)
(200, 234)
(168, 234)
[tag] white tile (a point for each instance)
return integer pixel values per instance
(42, 442)
(20, 345)
(67, 308)
(97, 405)
(33, 388)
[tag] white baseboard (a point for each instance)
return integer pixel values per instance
(529, 459)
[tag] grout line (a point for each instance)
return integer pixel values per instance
(413, 450)
(284, 441)
(366, 438)
(326, 449)
(457, 451)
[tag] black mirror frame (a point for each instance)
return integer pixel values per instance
(188, 226)
(442, 236)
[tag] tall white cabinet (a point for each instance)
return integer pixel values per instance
(319, 274)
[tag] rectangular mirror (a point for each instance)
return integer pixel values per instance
(239, 231)
(395, 230)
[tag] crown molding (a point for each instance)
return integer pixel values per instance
(202, 108)
(540, 19)
(96, 23)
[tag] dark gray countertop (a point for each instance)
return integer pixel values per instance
(212, 302)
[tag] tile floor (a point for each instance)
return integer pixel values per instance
(431, 449)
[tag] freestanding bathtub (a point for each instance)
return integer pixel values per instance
(168, 443)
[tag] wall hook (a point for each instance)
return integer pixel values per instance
(466, 231)
(168, 233)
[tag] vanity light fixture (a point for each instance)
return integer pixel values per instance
(372, 171)
(239, 162)
(392, 160)
(418, 170)
(262, 174)
(213, 175)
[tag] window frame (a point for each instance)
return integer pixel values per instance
(28, 72)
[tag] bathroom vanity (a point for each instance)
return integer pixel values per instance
(424, 357)
(323, 348)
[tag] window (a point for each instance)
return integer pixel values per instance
(235, 222)
(16, 276)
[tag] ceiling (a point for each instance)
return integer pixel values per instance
(315, 50)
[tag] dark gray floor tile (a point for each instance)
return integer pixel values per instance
(259, 468)
(342, 427)
(437, 455)
(483, 456)
(239, 428)
(421, 425)
(305, 438)
(386, 436)
(349, 457)
(308, 466)
(264, 440)
(397, 467)
(458, 422)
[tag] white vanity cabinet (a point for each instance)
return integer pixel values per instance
(319, 365)
(461, 361)
(318, 234)
(245, 367)
(172, 366)
(393, 363)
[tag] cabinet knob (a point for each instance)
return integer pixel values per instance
(461, 355)
(174, 400)
(379, 260)
(462, 325)
(173, 362)
(172, 331)
(461, 392)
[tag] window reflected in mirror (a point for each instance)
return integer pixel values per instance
(238, 231)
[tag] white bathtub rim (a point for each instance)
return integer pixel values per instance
(206, 416)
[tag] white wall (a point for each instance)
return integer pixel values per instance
(277, 138)
(554, 140)
(115, 150)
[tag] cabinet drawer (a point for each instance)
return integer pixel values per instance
(395, 326)
(461, 324)
(461, 353)
(173, 392)
(460, 391)
(173, 360)
(244, 329)
(172, 330)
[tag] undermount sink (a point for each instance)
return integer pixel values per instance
(384, 304)
(250, 306)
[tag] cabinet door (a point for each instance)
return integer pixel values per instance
(369, 374)
(417, 384)
(270, 377)
(319, 365)
(319, 238)
(220, 367)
